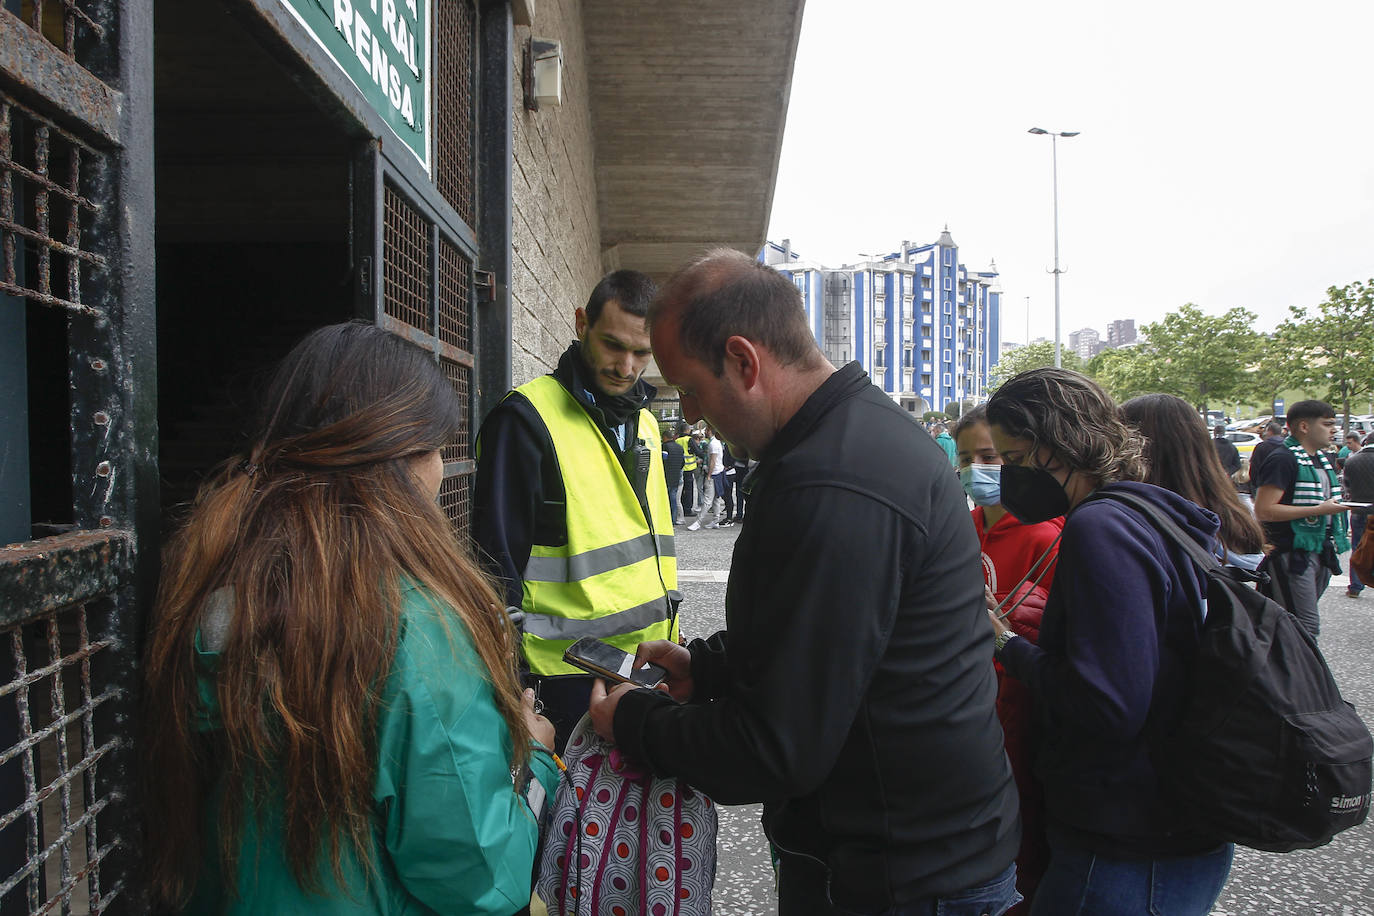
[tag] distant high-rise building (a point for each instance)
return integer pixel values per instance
(1086, 342)
(925, 327)
(1121, 332)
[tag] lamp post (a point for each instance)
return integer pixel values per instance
(1054, 160)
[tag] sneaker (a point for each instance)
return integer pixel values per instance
(695, 526)
(712, 525)
(1351, 593)
(727, 524)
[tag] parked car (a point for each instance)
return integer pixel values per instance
(1244, 442)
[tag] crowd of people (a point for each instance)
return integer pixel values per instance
(941, 710)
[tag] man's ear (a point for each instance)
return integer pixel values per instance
(742, 359)
(580, 322)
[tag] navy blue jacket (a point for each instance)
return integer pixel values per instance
(1117, 644)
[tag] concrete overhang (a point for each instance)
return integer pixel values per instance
(688, 104)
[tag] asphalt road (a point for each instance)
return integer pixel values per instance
(1336, 880)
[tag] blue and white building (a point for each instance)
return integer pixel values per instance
(925, 327)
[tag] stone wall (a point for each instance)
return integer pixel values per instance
(556, 232)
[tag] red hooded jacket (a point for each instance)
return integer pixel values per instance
(1010, 549)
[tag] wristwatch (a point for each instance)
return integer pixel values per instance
(1003, 638)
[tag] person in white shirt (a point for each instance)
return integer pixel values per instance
(715, 473)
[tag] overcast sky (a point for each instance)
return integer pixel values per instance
(1226, 155)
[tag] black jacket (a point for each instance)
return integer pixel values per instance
(673, 459)
(852, 690)
(1228, 454)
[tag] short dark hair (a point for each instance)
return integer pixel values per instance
(726, 293)
(631, 290)
(1273, 427)
(970, 417)
(1309, 410)
(1219, 429)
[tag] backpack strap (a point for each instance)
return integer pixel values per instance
(1035, 570)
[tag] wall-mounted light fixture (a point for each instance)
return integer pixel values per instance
(543, 73)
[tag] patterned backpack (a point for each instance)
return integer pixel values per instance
(624, 842)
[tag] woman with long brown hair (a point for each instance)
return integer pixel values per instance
(332, 713)
(1181, 457)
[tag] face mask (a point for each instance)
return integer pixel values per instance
(982, 483)
(1033, 495)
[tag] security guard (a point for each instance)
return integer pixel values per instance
(689, 470)
(570, 508)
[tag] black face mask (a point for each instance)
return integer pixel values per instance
(1033, 495)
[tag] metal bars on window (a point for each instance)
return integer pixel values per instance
(405, 274)
(44, 172)
(67, 24)
(48, 706)
(455, 121)
(426, 297)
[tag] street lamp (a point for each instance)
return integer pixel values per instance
(1054, 160)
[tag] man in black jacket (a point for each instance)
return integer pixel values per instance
(852, 691)
(1227, 452)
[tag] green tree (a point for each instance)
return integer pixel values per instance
(1333, 347)
(1030, 356)
(1126, 371)
(1199, 357)
(1276, 366)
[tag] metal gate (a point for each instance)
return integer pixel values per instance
(423, 235)
(76, 267)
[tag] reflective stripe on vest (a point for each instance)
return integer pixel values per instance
(689, 459)
(611, 577)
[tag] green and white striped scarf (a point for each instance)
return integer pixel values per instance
(1310, 533)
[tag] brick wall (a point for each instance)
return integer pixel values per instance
(556, 233)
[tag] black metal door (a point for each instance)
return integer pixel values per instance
(76, 268)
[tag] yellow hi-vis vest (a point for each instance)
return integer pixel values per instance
(689, 460)
(610, 580)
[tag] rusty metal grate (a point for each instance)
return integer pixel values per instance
(405, 243)
(44, 175)
(67, 24)
(455, 297)
(456, 38)
(47, 719)
(459, 377)
(454, 500)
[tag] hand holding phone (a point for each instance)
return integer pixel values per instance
(1353, 505)
(605, 660)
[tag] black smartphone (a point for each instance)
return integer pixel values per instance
(605, 660)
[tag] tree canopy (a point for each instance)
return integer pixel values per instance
(1031, 356)
(1209, 360)
(1331, 350)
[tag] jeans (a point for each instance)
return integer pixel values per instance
(1297, 579)
(1079, 883)
(1358, 520)
(802, 889)
(674, 496)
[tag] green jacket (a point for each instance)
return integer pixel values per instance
(946, 442)
(451, 834)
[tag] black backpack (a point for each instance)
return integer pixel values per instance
(1266, 753)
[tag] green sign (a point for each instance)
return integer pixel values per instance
(382, 46)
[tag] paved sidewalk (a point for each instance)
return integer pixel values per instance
(1336, 880)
